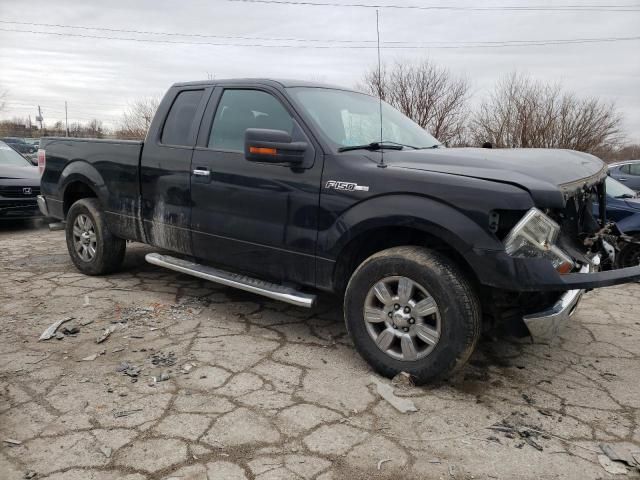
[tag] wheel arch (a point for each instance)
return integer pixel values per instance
(425, 223)
(81, 180)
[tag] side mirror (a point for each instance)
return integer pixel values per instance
(272, 146)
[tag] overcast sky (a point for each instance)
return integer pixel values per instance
(98, 77)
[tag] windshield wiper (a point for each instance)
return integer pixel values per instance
(374, 146)
(626, 195)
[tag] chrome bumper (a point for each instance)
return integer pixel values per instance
(42, 205)
(545, 325)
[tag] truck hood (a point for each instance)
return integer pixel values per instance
(11, 172)
(547, 174)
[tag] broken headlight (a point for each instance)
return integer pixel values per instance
(535, 236)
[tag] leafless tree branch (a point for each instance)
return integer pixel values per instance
(521, 112)
(430, 95)
(137, 118)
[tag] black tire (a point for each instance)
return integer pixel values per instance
(109, 249)
(460, 316)
(629, 256)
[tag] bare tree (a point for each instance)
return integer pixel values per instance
(521, 112)
(625, 152)
(137, 118)
(428, 94)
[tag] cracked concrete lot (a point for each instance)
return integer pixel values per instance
(259, 389)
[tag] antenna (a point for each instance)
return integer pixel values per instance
(381, 165)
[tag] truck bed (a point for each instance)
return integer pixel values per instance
(114, 166)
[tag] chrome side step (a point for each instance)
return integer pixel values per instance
(242, 282)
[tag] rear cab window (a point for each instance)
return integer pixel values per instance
(179, 125)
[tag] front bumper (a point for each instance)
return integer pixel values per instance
(17, 209)
(544, 326)
(499, 270)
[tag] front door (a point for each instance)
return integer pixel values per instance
(258, 218)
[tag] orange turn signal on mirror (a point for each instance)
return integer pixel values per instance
(263, 150)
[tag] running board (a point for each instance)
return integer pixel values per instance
(242, 282)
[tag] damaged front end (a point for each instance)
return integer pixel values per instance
(583, 247)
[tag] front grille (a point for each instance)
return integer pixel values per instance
(16, 191)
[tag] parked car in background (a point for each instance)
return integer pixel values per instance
(19, 145)
(19, 186)
(627, 172)
(33, 141)
(623, 207)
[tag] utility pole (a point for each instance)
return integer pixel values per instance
(39, 118)
(66, 119)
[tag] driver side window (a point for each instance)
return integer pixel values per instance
(239, 110)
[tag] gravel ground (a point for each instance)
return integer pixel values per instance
(198, 381)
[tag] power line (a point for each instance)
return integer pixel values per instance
(179, 34)
(434, 45)
(534, 8)
(280, 39)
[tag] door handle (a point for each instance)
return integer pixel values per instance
(201, 172)
(622, 179)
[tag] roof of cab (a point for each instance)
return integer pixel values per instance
(283, 83)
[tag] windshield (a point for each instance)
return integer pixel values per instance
(350, 118)
(8, 156)
(618, 190)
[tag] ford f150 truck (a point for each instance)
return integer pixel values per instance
(286, 188)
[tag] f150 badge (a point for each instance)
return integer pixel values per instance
(348, 186)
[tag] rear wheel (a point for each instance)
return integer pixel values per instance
(94, 250)
(411, 309)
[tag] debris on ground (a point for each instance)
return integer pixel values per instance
(128, 369)
(126, 413)
(84, 323)
(403, 405)
(105, 334)
(86, 301)
(383, 461)
(72, 330)
(30, 474)
(51, 330)
(163, 377)
(12, 441)
(619, 454)
(90, 358)
(612, 467)
(161, 359)
(106, 451)
(133, 314)
(403, 380)
(527, 434)
(187, 367)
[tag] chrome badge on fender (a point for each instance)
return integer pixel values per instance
(348, 186)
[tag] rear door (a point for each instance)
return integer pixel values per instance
(254, 217)
(165, 178)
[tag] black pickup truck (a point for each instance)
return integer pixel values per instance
(285, 188)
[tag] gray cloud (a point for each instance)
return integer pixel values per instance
(98, 77)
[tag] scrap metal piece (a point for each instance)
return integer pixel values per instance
(51, 330)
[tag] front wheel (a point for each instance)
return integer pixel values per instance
(410, 309)
(94, 250)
